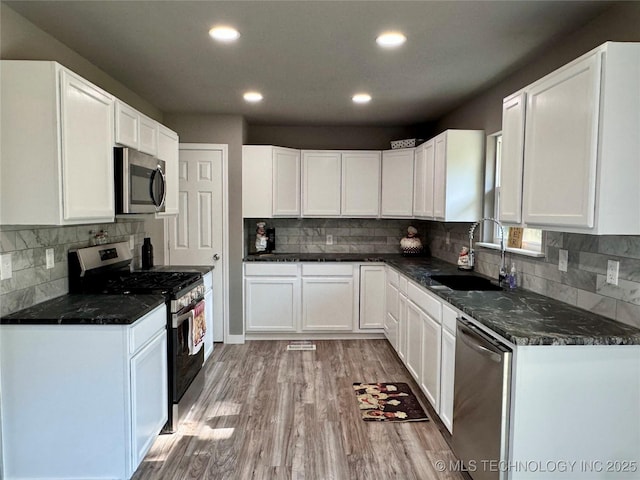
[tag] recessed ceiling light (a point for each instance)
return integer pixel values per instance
(253, 97)
(361, 98)
(224, 34)
(391, 39)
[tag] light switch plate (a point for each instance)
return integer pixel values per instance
(613, 267)
(329, 239)
(563, 260)
(50, 257)
(5, 266)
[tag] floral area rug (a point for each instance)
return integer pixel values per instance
(390, 402)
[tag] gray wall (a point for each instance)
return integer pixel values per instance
(330, 137)
(224, 129)
(22, 40)
(31, 281)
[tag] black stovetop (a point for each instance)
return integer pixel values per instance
(122, 282)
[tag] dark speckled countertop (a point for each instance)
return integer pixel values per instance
(86, 309)
(520, 316)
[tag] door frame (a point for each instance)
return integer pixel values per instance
(225, 228)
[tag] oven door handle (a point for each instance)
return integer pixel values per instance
(177, 320)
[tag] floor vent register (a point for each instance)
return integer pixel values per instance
(298, 345)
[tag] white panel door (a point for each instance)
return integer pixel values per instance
(196, 233)
(372, 294)
(127, 125)
(321, 179)
(271, 304)
(87, 150)
(512, 159)
(397, 183)
(327, 303)
(286, 182)
(361, 184)
(440, 176)
(561, 146)
(431, 352)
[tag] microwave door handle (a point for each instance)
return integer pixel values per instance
(164, 187)
(151, 182)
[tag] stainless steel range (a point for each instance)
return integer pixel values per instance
(107, 269)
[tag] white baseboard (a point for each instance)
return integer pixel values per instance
(315, 336)
(235, 339)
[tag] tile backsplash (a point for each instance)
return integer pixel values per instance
(31, 281)
(582, 285)
(309, 235)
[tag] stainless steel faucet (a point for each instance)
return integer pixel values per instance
(502, 274)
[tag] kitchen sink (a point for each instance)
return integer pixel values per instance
(466, 282)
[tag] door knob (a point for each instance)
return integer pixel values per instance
(216, 257)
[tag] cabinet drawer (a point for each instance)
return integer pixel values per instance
(146, 328)
(324, 269)
(449, 316)
(271, 269)
(425, 301)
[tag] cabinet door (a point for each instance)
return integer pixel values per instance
(148, 136)
(419, 184)
(361, 184)
(372, 293)
(402, 327)
(431, 352)
(327, 303)
(208, 313)
(149, 391)
(391, 330)
(440, 176)
(127, 125)
(429, 166)
(321, 173)
(392, 300)
(272, 304)
(257, 184)
(512, 159)
(397, 183)
(561, 140)
(286, 182)
(168, 150)
(414, 341)
(447, 373)
(87, 150)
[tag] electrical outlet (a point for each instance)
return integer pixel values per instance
(329, 239)
(447, 238)
(563, 260)
(5, 266)
(132, 242)
(613, 267)
(50, 257)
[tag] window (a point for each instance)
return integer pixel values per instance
(531, 237)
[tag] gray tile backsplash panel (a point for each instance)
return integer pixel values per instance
(31, 281)
(308, 235)
(583, 285)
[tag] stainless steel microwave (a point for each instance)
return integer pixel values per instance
(140, 182)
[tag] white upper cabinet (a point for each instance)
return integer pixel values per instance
(512, 158)
(57, 146)
(361, 184)
(419, 183)
(127, 125)
(168, 150)
(458, 172)
(148, 135)
(286, 182)
(270, 181)
(321, 180)
(581, 152)
(397, 183)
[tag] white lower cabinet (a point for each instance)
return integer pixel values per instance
(272, 304)
(82, 401)
(327, 303)
(372, 296)
(414, 339)
(431, 348)
(447, 374)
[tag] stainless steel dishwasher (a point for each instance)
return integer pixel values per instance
(481, 402)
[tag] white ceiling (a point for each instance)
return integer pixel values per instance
(308, 57)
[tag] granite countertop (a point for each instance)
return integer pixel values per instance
(520, 316)
(76, 309)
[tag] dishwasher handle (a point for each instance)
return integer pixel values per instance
(479, 344)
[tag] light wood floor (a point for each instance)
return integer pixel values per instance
(267, 413)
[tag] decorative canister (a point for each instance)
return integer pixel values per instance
(411, 245)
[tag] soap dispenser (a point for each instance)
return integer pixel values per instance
(513, 278)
